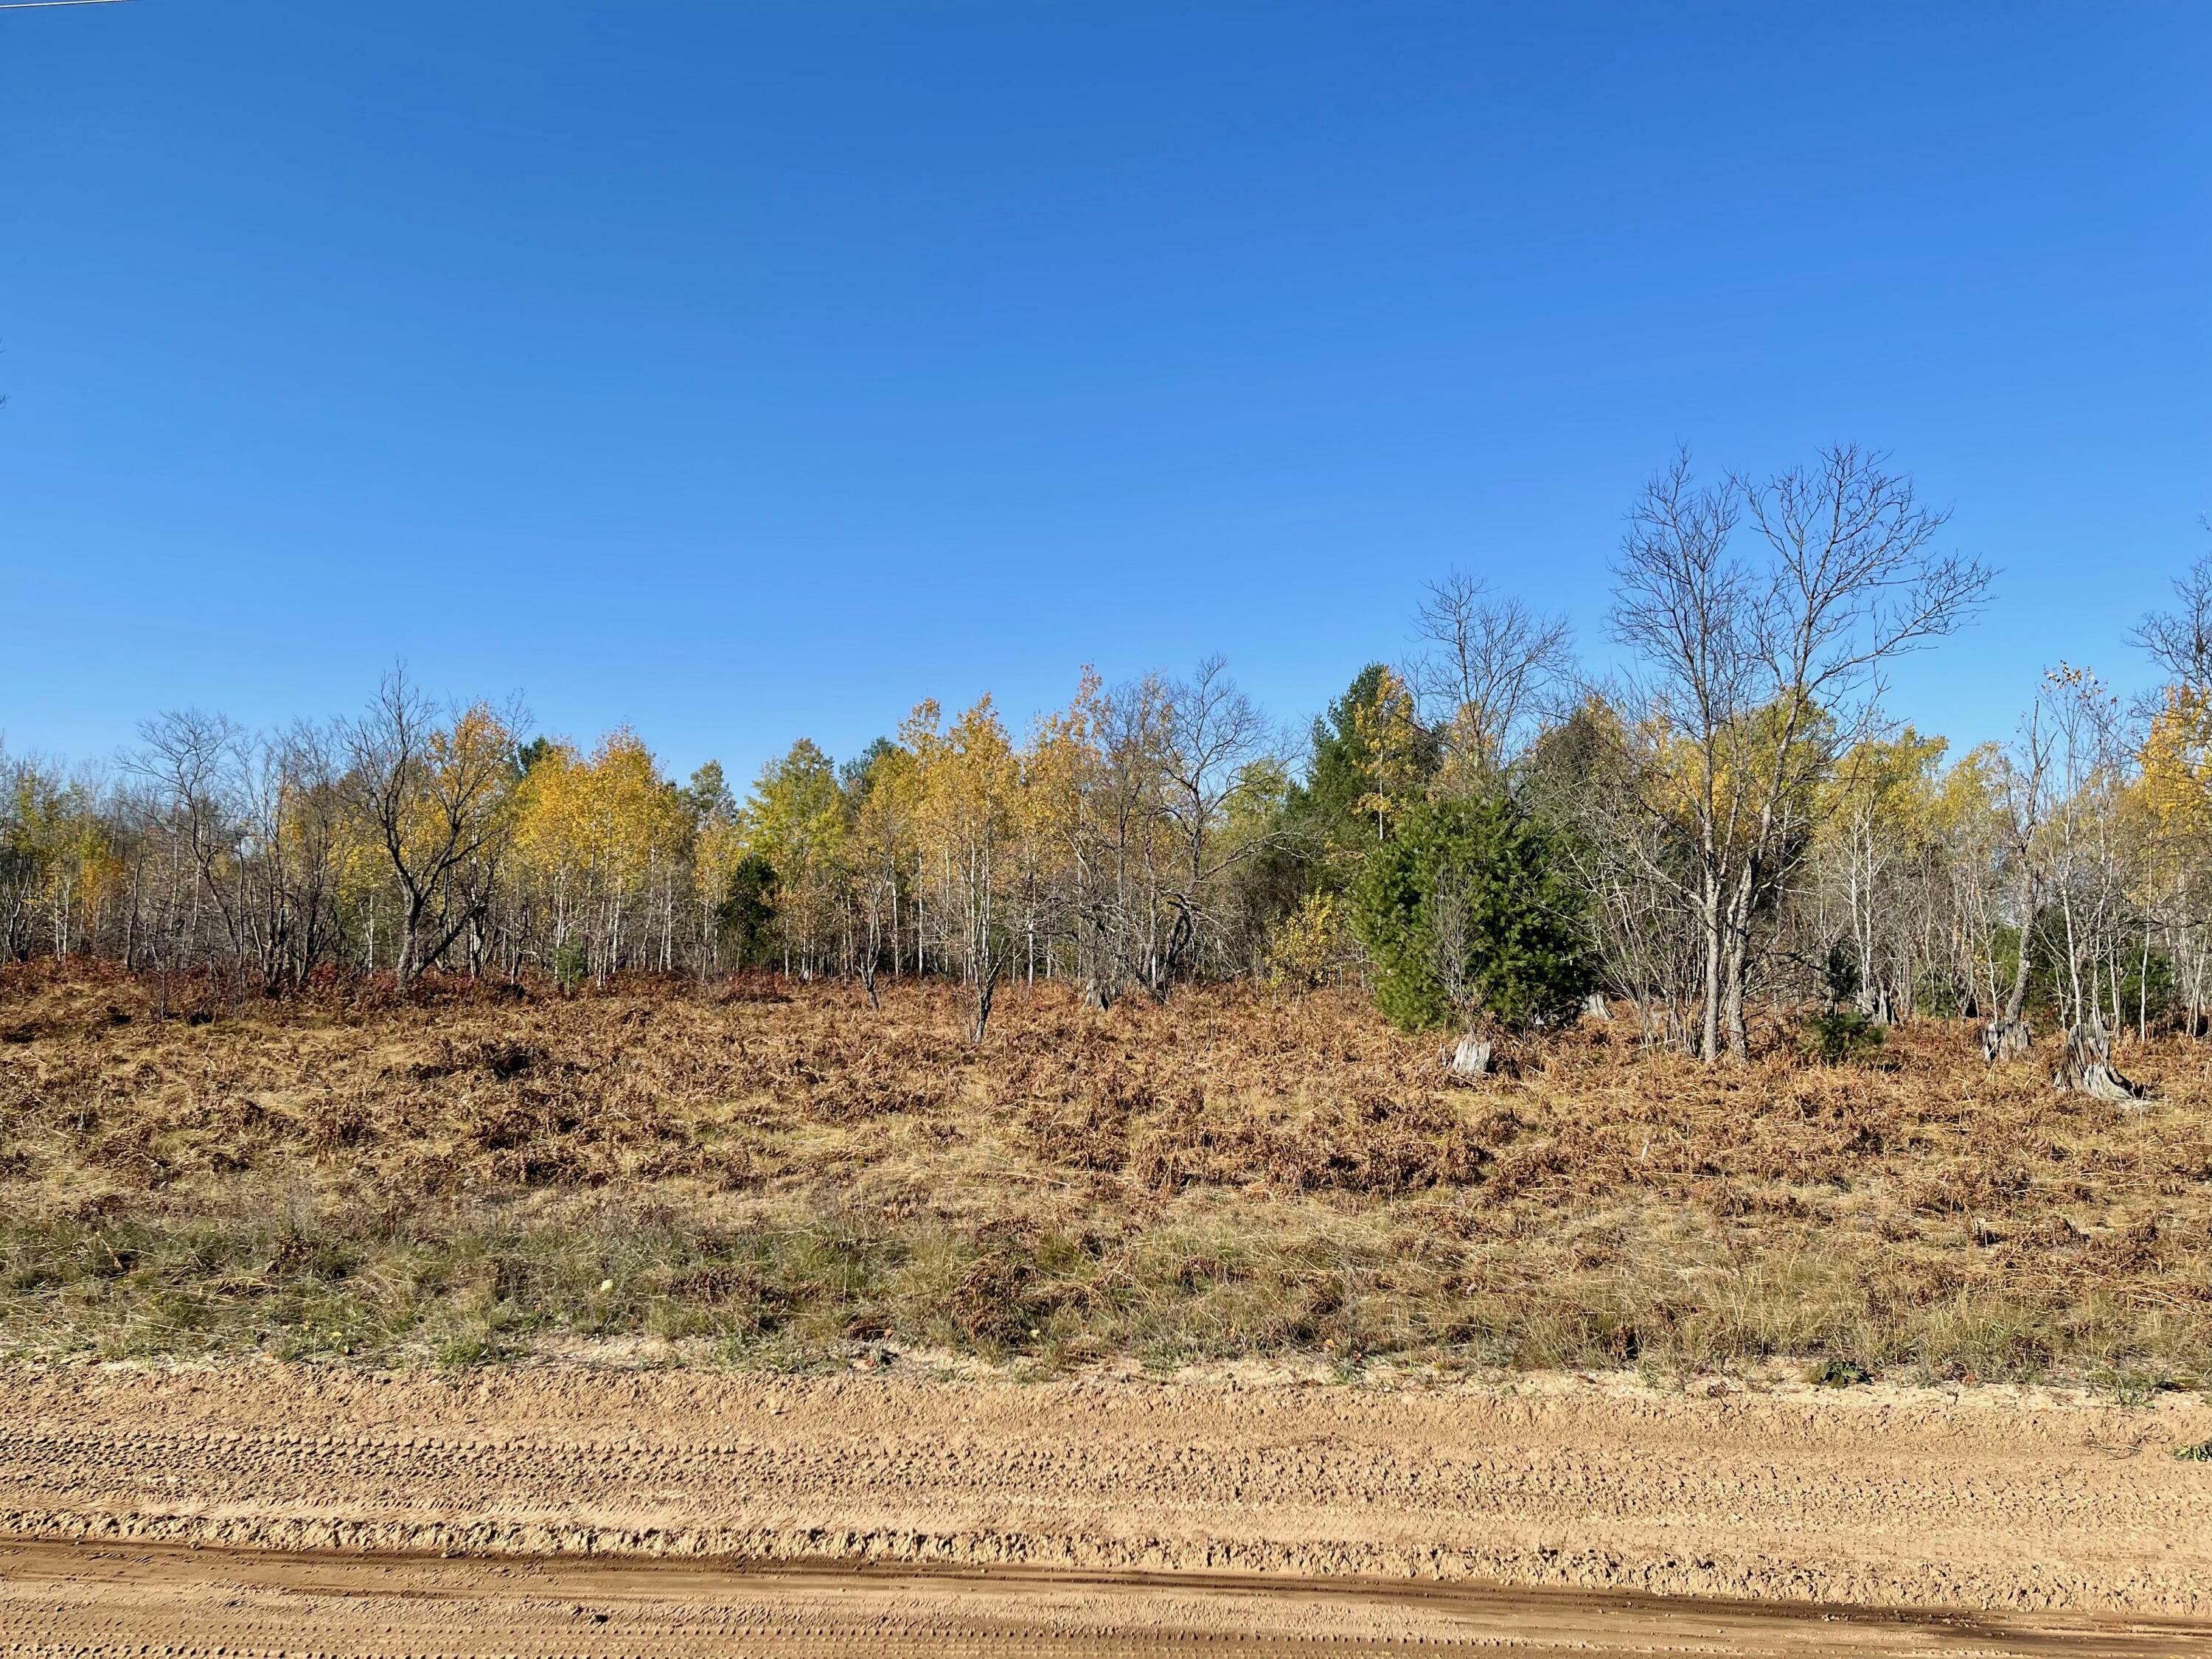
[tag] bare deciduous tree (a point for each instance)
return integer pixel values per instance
(436, 784)
(1756, 673)
(1492, 666)
(1214, 731)
(190, 759)
(2020, 794)
(2179, 641)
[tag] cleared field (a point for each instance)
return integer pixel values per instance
(776, 1176)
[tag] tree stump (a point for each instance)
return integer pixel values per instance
(1095, 998)
(2004, 1039)
(2086, 1066)
(1594, 1007)
(1470, 1057)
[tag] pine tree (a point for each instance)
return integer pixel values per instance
(1470, 911)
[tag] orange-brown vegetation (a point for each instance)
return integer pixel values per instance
(765, 1172)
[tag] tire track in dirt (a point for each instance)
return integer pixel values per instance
(1997, 1500)
(70, 1602)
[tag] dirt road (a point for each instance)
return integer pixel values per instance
(1253, 1512)
(78, 1601)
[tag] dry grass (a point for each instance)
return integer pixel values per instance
(786, 1177)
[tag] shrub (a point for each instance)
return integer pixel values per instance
(572, 964)
(1842, 1036)
(1307, 948)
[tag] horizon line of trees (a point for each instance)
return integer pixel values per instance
(1483, 832)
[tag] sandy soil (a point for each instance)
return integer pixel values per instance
(2053, 1514)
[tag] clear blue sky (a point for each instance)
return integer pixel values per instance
(747, 371)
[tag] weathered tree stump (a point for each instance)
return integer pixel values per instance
(2004, 1039)
(2086, 1066)
(1095, 997)
(1470, 1057)
(1595, 1007)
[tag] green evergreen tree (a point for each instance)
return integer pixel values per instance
(529, 753)
(1470, 911)
(708, 799)
(857, 774)
(747, 912)
(1342, 774)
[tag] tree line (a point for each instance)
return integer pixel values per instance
(1486, 832)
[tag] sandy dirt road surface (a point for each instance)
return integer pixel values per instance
(266, 1509)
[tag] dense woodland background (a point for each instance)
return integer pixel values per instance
(1484, 834)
